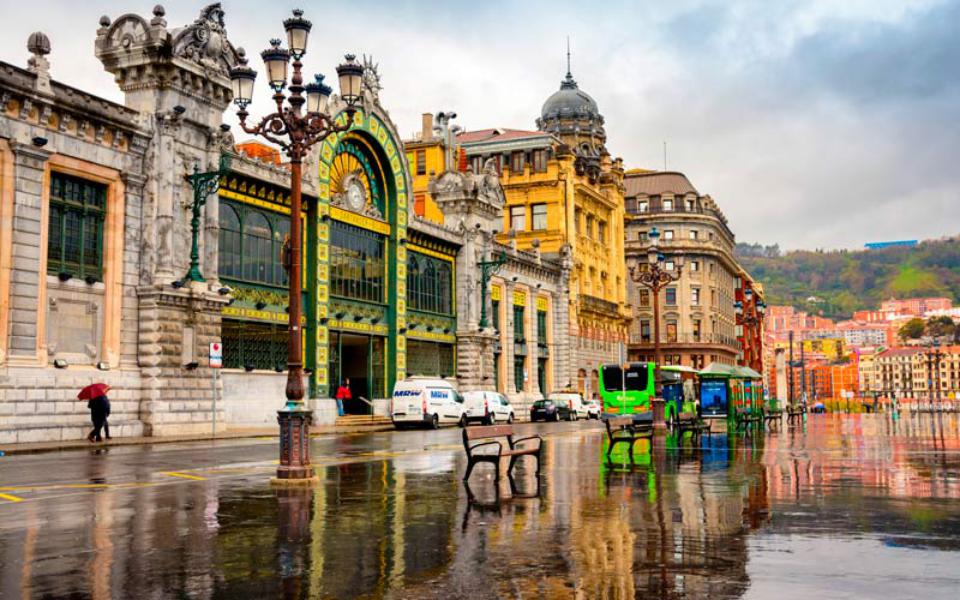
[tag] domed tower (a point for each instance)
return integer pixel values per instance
(573, 116)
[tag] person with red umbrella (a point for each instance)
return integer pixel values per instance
(99, 405)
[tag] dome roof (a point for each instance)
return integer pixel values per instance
(569, 101)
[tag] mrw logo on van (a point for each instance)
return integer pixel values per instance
(438, 394)
(402, 393)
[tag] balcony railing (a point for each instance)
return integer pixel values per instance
(687, 338)
(598, 304)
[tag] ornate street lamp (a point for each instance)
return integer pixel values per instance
(203, 185)
(295, 131)
(655, 277)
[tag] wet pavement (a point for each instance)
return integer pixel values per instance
(845, 506)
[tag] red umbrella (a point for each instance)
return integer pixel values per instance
(94, 390)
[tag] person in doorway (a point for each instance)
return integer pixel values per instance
(99, 411)
(343, 393)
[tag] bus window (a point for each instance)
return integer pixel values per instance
(634, 381)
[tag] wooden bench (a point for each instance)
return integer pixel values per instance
(625, 430)
(691, 421)
(773, 415)
(795, 412)
(493, 436)
(743, 418)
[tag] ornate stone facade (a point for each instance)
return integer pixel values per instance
(95, 213)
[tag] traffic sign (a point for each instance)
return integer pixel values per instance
(216, 355)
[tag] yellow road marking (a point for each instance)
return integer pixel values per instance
(183, 475)
(11, 498)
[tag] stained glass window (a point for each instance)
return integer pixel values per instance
(429, 284)
(251, 244)
(357, 267)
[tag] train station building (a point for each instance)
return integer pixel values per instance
(95, 240)
(493, 257)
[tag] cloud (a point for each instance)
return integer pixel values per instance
(813, 123)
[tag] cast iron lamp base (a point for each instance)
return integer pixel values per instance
(295, 468)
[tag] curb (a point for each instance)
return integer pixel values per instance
(41, 447)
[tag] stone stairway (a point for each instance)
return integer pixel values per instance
(364, 422)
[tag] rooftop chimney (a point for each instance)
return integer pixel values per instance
(426, 130)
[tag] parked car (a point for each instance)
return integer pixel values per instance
(544, 410)
(570, 405)
(593, 409)
(426, 401)
(487, 407)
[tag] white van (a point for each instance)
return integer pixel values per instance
(570, 405)
(426, 401)
(487, 407)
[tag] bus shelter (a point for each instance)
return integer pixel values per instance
(726, 388)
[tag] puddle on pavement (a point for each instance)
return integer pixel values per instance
(858, 506)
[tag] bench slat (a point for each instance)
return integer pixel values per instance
(488, 431)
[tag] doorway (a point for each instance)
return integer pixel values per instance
(359, 359)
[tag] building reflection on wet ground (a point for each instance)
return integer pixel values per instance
(844, 506)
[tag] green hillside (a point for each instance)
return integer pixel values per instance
(844, 281)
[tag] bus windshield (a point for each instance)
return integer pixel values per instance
(626, 392)
(634, 380)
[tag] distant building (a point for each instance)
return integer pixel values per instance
(698, 322)
(916, 307)
(894, 372)
(880, 245)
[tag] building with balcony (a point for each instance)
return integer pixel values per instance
(564, 201)
(698, 321)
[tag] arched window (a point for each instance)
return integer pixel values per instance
(281, 232)
(428, 294)
(444, 283)
(257, 234)
(413, 281)
(230, 237)
(429, 284)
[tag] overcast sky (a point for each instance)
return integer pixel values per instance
(813, 123)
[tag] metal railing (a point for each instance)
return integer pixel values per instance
(686, 338)
(598, 304)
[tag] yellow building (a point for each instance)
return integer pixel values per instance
(426, 157)
(564, 198)
(830, 348)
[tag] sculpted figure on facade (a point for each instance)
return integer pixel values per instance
(371, 79)
(205, 41)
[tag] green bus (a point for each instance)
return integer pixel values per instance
(626, 391)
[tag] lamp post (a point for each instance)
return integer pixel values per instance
(487, 270)
(295, 131)
(203, 185)
(656, 277)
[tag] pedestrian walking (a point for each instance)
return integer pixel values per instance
(343, 393)
(99, 405)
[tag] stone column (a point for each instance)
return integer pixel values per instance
(165, 187)
(176, 328)
(26, 272)
(134, 186)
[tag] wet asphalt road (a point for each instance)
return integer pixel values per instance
(858, 506)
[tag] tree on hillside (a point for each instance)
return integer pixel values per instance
(941, 327)
(912, 329)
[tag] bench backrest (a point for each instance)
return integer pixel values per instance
(487, 431)
(617, 423)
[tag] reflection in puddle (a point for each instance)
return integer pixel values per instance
(862, 505)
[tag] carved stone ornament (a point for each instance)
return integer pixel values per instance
(205, 41)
